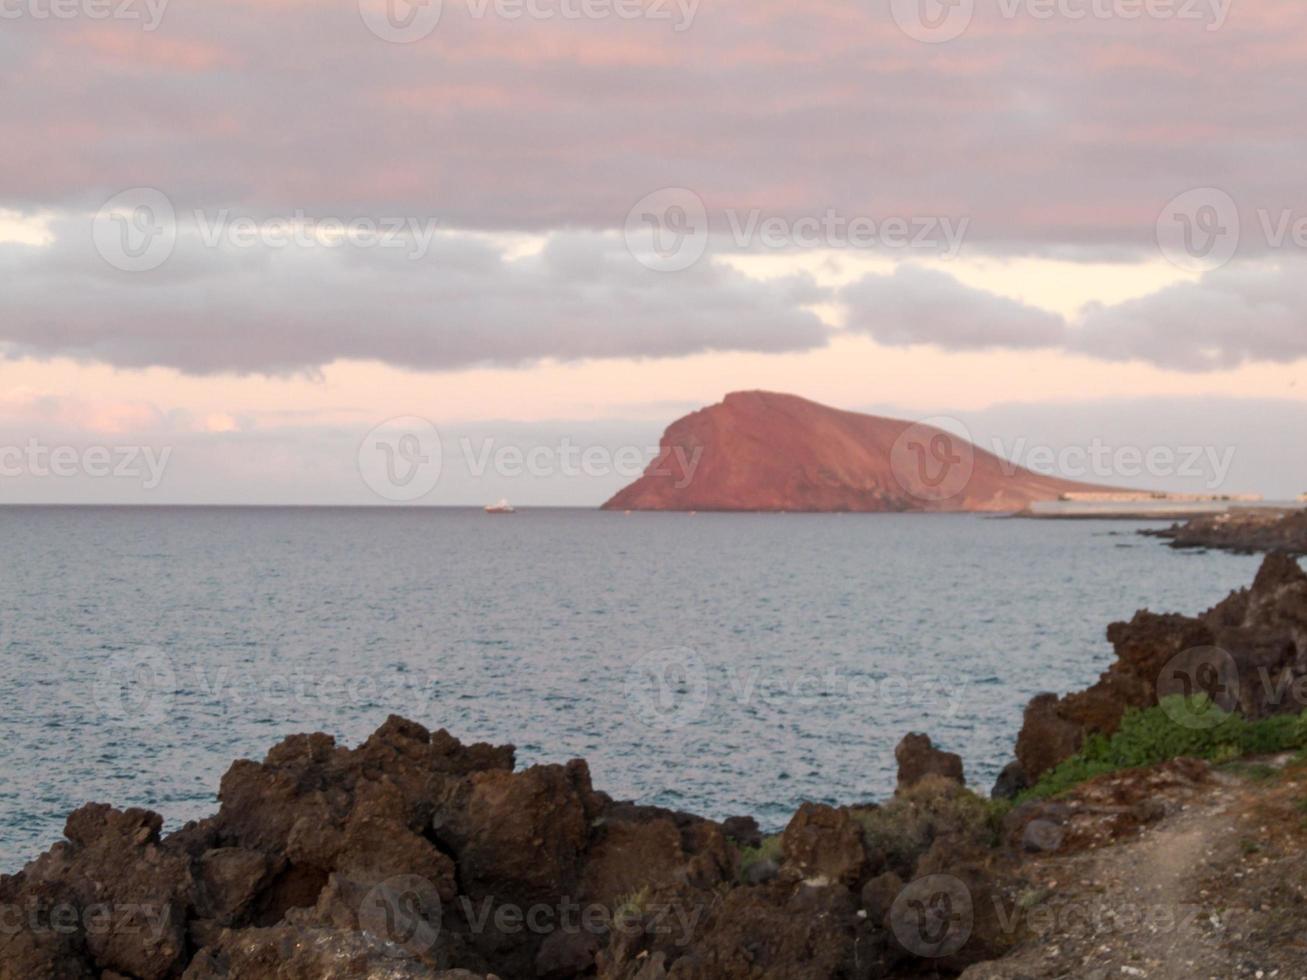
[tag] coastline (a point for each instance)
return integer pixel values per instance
(317, 852)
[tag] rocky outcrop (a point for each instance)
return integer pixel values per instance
(763, 451)
(918, 758)
(1246, 531)
(1249, 654)
(414, 856)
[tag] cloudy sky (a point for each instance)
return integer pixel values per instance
(247, 234)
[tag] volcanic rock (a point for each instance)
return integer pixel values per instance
(918, 758)
(1249, 653)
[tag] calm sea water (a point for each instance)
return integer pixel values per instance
(718, 663)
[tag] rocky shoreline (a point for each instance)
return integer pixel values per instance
(416, 856)
(1247, 531)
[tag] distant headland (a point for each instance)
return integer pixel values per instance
(766, 451)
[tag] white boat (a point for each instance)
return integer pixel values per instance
(503, 507)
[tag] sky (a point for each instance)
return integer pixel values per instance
(286, 251)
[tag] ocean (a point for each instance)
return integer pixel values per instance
(719, 663)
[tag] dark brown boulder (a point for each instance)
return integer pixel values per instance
(782, 931)
(918, 758)
(878, 895)
(1010, 782)
(825, 844)
(518, 836)
(110, 899)
(743, 830)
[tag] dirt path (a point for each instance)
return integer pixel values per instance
(1216, 889)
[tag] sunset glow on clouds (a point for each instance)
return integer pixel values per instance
(495, 162)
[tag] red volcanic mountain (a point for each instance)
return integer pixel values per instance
(763, 451)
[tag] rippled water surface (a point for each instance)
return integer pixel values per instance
(718, 663)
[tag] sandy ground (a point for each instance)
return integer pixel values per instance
(1216, 889)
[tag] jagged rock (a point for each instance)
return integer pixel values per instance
(824, 843)
(412, 856)
(1255, 640)
(1011, 781)
(518, 836)
(878, 896)
(1046, 737)
(567, 954)
(631, 856)
(918, 758)
(743, 830)
(1244, 531)
(989, 933)
(783, 931)
(288, 952)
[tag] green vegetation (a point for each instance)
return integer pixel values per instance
(906, 826)
(1150, 736)
(769, 850)
(632, 907)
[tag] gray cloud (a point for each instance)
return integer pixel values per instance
(1232, 315)
(210, 309)
(1033, 128)
(925, 306)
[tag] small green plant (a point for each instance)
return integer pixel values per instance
(905, 827)
(768, 850)
(632, 907)
(1149, 736)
